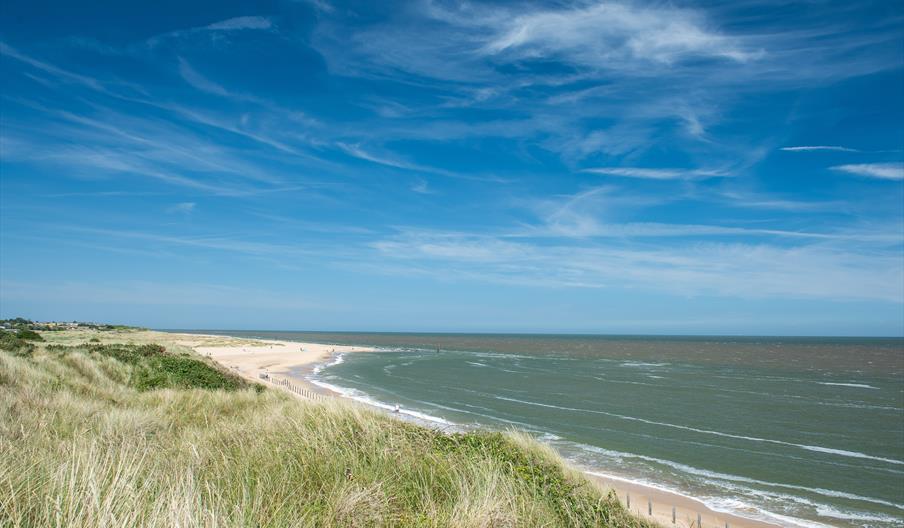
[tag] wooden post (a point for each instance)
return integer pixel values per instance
(649, 506)
(673, 515)
(629, 500)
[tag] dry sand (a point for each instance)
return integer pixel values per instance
(294, 361)
(251, 357)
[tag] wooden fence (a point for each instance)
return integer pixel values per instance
(293, 387)
(649, 511)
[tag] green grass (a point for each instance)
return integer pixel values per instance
(138, 435)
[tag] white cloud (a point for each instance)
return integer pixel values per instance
(182, 208)
(357, 152)
(809, 148)
(586, 226)
(421, 187)
(882, 171)
(757, 201)
(658, 174)
(723, 269)
(605, 34)
(58, 72)
(200, 82)
(319, 5)
(616, 78)
(243, 22)
(452, 247)
(588, 214)
(390, 161)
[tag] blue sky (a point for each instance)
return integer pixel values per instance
(612, 167)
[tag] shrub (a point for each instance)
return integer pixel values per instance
(29, 335)
(153, 368)
(165, 371)
(13, 343)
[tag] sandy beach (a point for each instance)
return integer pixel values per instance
(252, 357)
(295, 360)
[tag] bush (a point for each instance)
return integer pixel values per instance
(153, 368)
(13, 343)
(165, 371)
(29, 335)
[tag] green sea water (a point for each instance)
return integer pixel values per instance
(798, 431)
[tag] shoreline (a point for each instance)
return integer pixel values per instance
(253, 356)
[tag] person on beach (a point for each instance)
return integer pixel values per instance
(397, 408)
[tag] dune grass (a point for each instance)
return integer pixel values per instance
(134, 435)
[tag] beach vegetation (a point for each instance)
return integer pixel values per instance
(11, 342)
(28, 335)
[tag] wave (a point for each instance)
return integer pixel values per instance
(708, 474)
(362, 397)
(818, 449)
(338, 359)
(858, 385)
(835, 513)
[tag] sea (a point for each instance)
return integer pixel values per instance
(798, 431)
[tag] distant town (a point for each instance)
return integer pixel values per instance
(20, 323)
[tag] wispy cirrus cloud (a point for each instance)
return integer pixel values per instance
(610, 35)
(183, 208)
(750, 200)
(198, 81)
(594, 213)
(818, 148)
(881, 171)
(389, 160)
(56, 71)
(658, 173)
(242, 22)
(726, 269)
(421, 187)
(359, 152)
(592, 79)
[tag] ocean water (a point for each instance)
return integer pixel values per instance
(797, 431)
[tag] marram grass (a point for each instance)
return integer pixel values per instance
(131, 436)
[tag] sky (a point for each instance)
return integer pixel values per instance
(627, 167)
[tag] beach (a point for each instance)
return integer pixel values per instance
(295, 361)
(251, 358)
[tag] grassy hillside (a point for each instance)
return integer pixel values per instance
(136, 435)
